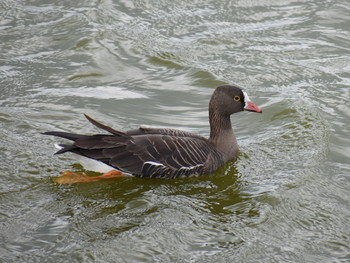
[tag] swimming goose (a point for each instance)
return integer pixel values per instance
(166, 153)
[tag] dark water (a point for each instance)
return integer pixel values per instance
(156, 63)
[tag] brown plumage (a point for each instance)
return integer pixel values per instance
(167, 153)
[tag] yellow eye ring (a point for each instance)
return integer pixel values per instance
(237, 98)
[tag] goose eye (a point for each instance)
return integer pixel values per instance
(237, 98)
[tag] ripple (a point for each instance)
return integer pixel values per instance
(102, 92)
(156, 63)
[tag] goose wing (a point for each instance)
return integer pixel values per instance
(143, 152)
(170, 156)
(147, 155)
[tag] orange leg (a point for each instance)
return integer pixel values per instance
(68, 177)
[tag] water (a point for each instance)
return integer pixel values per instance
(156, 63)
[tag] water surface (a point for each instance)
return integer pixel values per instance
(156, 63)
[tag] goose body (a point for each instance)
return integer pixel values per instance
(166, 153)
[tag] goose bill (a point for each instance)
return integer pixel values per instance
(250, 106)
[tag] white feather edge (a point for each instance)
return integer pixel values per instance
(90, 164)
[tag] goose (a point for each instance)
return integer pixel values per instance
(162, 152)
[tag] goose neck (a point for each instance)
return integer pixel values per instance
(221, 134)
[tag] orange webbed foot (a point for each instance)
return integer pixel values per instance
(68, 177)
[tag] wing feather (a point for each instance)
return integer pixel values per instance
(144, 152)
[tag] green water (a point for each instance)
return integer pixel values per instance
(156, 63)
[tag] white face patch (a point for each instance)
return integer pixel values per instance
(246, 98)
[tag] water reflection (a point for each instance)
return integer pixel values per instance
(155, 207)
